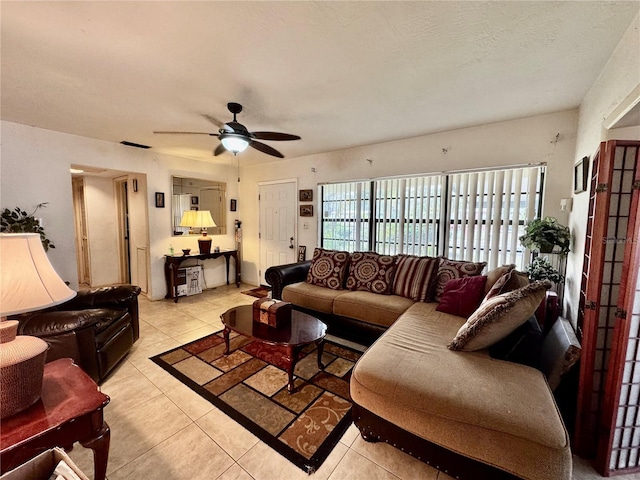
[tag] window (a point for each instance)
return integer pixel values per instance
(346, 211)
(470, 215)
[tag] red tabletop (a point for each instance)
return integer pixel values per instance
(67, 393)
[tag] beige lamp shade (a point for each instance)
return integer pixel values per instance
(28, 281)
(204, 219)
(197, 219)
(188, 218)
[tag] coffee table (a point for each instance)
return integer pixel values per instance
(303, 330)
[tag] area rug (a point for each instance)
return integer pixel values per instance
(250, 385)
(258, 292)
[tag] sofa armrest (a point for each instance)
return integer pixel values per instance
(280, 276)
(43, 324)
(120, 296)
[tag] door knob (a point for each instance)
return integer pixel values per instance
(291, 242)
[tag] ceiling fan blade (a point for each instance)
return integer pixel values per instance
(274, 136)
(213, 120)
(219, 150)
(188, 133)
(265, 149)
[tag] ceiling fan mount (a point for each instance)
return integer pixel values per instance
(235, 137)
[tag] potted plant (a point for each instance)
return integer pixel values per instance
(543, 234)
(541, 269)
(19, 221)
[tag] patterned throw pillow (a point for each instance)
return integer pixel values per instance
(499, 316)
(462, 296)
(450, 269)
(328, 268)
(415, 276)
(371, 272)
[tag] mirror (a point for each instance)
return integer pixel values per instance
(198, 194)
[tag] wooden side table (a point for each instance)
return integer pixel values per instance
(172, 264)
(70, 410)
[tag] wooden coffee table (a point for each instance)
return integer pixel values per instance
(301, 331)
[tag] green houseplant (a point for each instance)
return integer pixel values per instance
(19, 221)
(543, 234)
(541, 269)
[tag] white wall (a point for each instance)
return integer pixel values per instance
(102, 229)
(620, 76)
(521, 141)
(34, 168)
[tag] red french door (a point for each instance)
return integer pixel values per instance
(608, 420)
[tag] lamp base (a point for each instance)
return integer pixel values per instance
(21, 369)
(204, 244)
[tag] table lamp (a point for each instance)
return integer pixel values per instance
(28, 282)
(201, 219)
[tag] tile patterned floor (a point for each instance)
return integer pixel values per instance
(161, 429)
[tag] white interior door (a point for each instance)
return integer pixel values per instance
(278, 203)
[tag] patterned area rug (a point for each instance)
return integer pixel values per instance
(250, 385)
(258, 292)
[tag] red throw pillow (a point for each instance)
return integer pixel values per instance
(462, 296)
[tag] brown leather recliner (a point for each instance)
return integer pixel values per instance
(97, 328)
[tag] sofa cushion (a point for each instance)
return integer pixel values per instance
(450, 269)
(311, 296)
(497, 412)
(328, 268)
(494, 275)
(510, 281)
(371, 272)
(370, 307)
(498, 316)
(415, 276)
(462, 296)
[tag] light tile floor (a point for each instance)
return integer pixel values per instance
(161, 429)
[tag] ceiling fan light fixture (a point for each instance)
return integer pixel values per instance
(234, 143)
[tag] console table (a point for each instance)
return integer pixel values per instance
(172, 264)
(70, 410)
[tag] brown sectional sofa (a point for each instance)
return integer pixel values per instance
(468, 414)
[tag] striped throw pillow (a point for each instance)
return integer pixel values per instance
(415, 276)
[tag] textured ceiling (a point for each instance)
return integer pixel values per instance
(339, 74)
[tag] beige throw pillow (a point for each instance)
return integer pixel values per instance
(498, 316)
(495, 274)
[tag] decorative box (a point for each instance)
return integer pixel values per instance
(271, 312)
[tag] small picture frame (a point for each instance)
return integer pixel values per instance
(302, 253)
(580, 175)
(306, 195)
(234, 205)
(306, 210)
(159, 199)
(194, 200)
(194, 208)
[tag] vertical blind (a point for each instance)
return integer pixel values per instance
(467, 216)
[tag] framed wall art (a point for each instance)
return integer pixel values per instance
(234, 205)
(306, 210)
(194, 200)
(306, 195)
(580, 175)
(159, 199)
